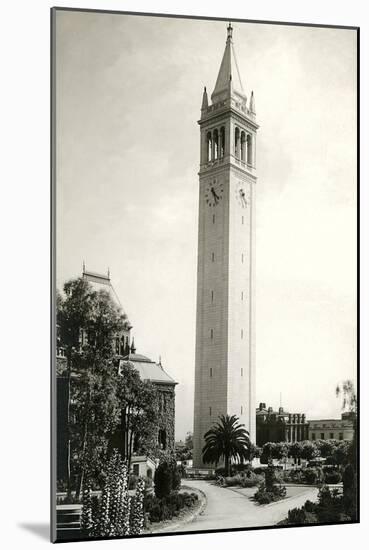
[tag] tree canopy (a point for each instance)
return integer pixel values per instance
(103, 400)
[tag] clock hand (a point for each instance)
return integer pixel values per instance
(243, 197)
(216, 197)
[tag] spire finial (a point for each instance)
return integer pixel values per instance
(108, 272)
(252, 103)
(205, 103)
(83, 267)
(133, 348)
(229, 31)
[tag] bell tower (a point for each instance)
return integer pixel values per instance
(225, 317)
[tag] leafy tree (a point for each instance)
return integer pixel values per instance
(295, 450)
(309, 450)
(349, 399)
(189, 440)
(271, 489)
(167, 477)
(341, 453)
(87, 322)
(326, 447)
(101, 400)
(227, 440)
(347, 391)
(138, 401)
(268, 451)
(254, 452)
(280, 451)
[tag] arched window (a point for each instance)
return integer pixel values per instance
(162, 439)
(243, 146)
(216, 144)
(249, 149)
(222, 142)
(208, 146)
(237, 142)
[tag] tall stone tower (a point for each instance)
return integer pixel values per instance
(225, 331)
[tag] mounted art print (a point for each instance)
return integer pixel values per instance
(204, 275)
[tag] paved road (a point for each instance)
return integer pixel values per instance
(232, 507)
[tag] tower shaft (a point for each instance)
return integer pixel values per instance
(225, 324)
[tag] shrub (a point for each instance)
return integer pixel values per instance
(330, 506)
(248, 479)
(332, 477)
(159, 509)
(110, 515)
(311, 475)
(167, 478)
(328, 509)
(301, 516)
(136, 519)
(310, 506)
(265, 496)
(233, 480)
(244, 468)
(252, 481)
(270, 490)
(350, 491)
(259, 470)
(293, 476)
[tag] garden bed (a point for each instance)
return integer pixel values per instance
(184, 516)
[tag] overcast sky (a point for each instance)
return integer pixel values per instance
(129, 92)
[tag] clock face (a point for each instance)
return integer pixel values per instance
(242, 195)
(214, 192)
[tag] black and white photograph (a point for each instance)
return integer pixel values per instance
(204, 273)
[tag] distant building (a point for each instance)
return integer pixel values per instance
(275, 426)
(341, 429)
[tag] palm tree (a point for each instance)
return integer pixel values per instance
(227, 440)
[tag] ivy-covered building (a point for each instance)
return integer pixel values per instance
(123, 353)
(155, 373)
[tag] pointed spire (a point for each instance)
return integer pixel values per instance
(228, 71)
(252, 103)
(133, 349)
(83, 267)
(205, 102)
(108, 272)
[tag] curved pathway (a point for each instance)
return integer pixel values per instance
(232, 507)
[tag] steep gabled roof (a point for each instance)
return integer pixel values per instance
(229, 79)
(148, 369)
(101, 281)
